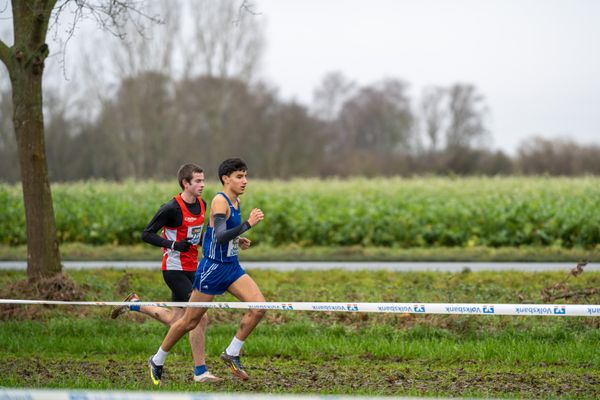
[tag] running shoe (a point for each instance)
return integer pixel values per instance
(233, 362)
(118, 310)
(206, 377)
(156, 372)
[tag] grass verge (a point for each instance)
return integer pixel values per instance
(142, 252)
(304, 352)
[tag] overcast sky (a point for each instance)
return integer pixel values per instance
(537, 62)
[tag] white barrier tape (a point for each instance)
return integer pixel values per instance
(566, 310)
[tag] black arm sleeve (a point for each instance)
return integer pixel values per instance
(163, 217)
(223, 234)
(203, 233)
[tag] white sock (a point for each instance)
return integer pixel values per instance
(160, 356)
(234, 347)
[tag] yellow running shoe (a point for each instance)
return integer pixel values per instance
(156, 372)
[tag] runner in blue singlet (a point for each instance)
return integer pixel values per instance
(220, 271)
(220, 267)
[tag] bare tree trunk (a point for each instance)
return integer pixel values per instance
(25, 64)
(42, 245)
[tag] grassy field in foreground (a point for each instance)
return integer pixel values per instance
(350, 353)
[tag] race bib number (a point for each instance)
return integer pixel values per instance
(194, 234)
(233, 247)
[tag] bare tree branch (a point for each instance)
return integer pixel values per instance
(245, 7)
(110, 15)
(222, 47)
(4, 53)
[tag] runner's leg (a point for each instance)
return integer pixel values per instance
(191, 318)
(246, 290)
(180, 283)
(181, 289)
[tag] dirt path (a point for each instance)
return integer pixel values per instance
(285, 375)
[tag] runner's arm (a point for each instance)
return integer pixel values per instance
(165, 216)
(223, 234)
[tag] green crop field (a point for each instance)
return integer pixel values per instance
(321, 352)
(393, 212)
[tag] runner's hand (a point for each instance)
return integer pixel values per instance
(256, 215)
(182, 246)
(244, 243)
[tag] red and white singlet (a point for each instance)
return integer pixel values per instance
(191, 229)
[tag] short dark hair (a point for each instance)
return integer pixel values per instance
(186, 173)
(231, 165)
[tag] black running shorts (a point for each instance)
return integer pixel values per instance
(180, 283)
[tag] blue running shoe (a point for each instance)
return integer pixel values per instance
(233, 362)
(156, 372)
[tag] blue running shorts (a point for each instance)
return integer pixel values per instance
(214, 278)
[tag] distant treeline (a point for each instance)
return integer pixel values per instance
(391, 212)
(154, 123)
(189, 91)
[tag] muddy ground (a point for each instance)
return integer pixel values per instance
(286, 375)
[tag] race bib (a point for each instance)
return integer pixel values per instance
(233, 247)
(194, 234)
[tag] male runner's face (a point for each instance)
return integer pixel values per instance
(196, 185)
(237, 181)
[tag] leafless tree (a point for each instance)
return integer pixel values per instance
(559, 156)
(227, 44)
(154, 49)
(227, 40)
(433, 115)
(335, 89)
(157, 119)
(466, 113)
(25, 61)
(378, 118)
